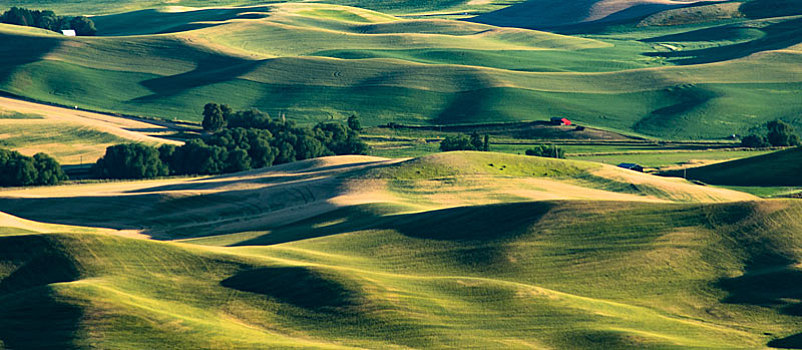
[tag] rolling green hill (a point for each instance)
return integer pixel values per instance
(378, 267)
(68, 135)
(449, 250)
(782, 168)
(185, 208)
(315, 62)
(100, 7)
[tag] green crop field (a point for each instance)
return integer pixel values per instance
(385, 257)
(407, 247)
(314, 62)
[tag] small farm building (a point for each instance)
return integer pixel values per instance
(560, 121)
(631, 166)
(68, 32)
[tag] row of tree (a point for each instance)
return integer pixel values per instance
(246, 140)
(47, 19)
(462, 142)
(548, 151)
(19, 170)
(777, 133)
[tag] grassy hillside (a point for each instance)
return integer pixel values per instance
(181, 208)
(782, 168)
(100, 7)
(374, 270)
(316, 62)
(70, 136)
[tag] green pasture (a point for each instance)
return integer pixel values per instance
(315, 62)
(570, 274)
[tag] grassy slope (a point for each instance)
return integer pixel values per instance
(71, 136)
(99, 7)
(315, 62)
(181, 208)
(514, 274)
(782, 168)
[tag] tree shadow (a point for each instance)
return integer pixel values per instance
(34, 315)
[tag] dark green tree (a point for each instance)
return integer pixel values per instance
(754, 141)
(486, 143)
(238, 160)
(19, 170)
(549, 151)
(197, 158)
(456, 143)
(166, 153)
(781, 134)
(476, 141)
(18, 16)
(353, 123)
(252, 118)
(47, 20)
(83, 26)
(213, 118)
(130, 161)
(48, 170)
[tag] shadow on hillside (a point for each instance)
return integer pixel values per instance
(463, 106)
(482, 223)
(19, 50)
(170, 216)
(298, 286)
(211, 69)
(771, 8)
(790, 342)
(776, 286)
(551, 14)
(33, 314)
(153, 21)
(684, 99)
(777, 36)
(474, 223)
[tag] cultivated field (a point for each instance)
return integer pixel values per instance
(429, 252)
(316, 62)
(71, 136)
(405, 247)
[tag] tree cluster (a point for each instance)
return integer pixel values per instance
(461, 142)
(549, 151)
(47, 19)
(244, 140)
(19, 170)
(778, 134)
(130, 161)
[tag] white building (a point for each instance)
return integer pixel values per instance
(68, 32)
